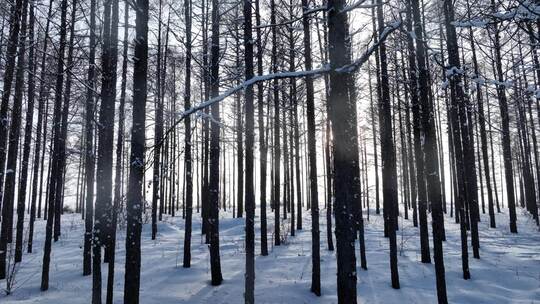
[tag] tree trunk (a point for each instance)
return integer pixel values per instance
(158, 134)
(118, 197)
(312, 155)
(135, 200)
(431, 155)
(23, 180)
(55, 156)
(11, 54)
(89, 144)
(39, 127)
(457, 99)
(277, 151)
(213, 201)
(187, 138)
(105, 139)
(483, 137)
(388, 154)
(250, 142)
(262, 138)
(506, 142)
(13, 150)
(341, 114)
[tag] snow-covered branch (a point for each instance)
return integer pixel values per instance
(251, 82)
(357, 64)
(357, 5)
(525, 11)
(283, 75)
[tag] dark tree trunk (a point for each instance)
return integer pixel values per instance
(312, 155)
(239, 159)
(250, 142)
(327, 146)
(23, 180)
(378, 87)
(457, 100)
(483, 137)
(239, 137)
(13, 150)
(118, 197)
(105, 139)
(536, 63)
(42, 99)
(7, 211)
(277, 151)
(15, 16)
(418, 149)
(413, 90)
(431, 155)
(89, 145)
(39, 127)
(158, 135)
(42, 171)
(490, 132)
(505, 133)
(55, 156)
(206, 125)
(213, 201)
(187, 156)
(59, 197)
(404, 157)
(342, 116)
(388, 154)
(135, 202)
(262, 138)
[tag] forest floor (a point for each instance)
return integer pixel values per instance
(508, 271)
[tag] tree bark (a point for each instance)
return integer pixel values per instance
(187, 138)
(135, 202)
(341, 114)
(250, 142)
(213, 202)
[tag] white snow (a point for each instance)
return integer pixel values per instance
(508, 271)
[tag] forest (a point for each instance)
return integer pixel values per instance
(269, 151)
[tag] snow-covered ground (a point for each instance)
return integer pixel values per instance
(508, 271)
